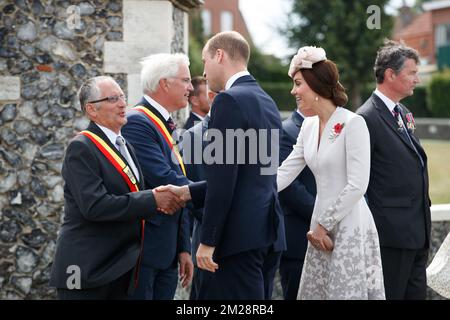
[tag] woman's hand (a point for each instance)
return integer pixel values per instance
(319, 238)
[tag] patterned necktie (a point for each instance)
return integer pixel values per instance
(396, 112)
(171, 124)
(120, 141)
(402, 129)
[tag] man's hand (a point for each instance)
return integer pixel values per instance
(204, 258)
(167, 202)
(181, 192)
(186, 268)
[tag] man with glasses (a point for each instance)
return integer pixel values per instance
(99, 246)
(166, 84)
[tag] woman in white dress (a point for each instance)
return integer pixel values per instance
(343, 258)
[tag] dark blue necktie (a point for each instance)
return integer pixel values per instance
(402, 129)
(172, 126)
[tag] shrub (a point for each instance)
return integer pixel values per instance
(281, 94)
(417, 103)
(439, 94)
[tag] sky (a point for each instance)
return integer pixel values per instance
(264, 16)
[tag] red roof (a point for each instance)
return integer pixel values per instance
(422, 24)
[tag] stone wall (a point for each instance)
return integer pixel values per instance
(47, 50)
(51, 54)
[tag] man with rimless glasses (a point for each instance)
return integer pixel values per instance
(166, 84)
(99, 245)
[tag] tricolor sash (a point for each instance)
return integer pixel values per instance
(127, 175)
(113, 157)
(165, 133)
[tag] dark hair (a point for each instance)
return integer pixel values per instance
(323, 79)
(392, 56)
(233, 43)
(196, 83)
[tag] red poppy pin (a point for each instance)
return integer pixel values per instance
(336, 131)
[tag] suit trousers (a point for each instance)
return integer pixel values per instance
(290, 273)
(115, 290)
(404, 272)
(156, 284)
(247, 275)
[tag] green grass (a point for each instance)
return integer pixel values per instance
(438, 152)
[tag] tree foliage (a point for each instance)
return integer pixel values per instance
(340, 27)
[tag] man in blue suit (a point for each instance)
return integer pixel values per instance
(297, 202)
(192, 145)
(166, 83)
(242, 232)
(200, 106)
(198, 99)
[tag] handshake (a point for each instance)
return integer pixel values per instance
(169, 198)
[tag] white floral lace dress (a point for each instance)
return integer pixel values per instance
(341, 166)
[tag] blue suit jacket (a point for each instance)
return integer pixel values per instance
(190, 122)
(298, 199)
(242, 211)
(166, 235)
(192, 147)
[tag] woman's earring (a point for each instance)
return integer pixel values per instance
(316, 99)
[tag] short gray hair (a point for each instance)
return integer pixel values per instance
(160, 66)
(89, 90)
(393, 56)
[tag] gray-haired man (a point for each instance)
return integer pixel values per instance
(398, 188)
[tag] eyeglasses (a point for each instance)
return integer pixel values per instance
(111, 99)
(184, 80)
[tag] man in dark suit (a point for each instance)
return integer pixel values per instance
(398, 188)
(242, 232)
(200, 106)
(297, 202)
(198, 99)
(192, 145)
(99, 241)
(166, 84)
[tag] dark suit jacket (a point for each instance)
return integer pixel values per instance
(192, 149)
(190, 122)
(101, 229)
(242, 211)
(166, 235)
(297, 200)
(398, 187)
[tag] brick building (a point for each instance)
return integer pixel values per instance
(428, 32)
(220, 16)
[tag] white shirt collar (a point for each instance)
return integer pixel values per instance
(197, 115)
(112, 136)
(235, 77)
(163, 111)
(388, 102)
(301, 114)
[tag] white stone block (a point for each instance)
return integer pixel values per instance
(440, 212)
(9, 88)
(148, 29)
(134, 93)
(124, 57)
(147, 21)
